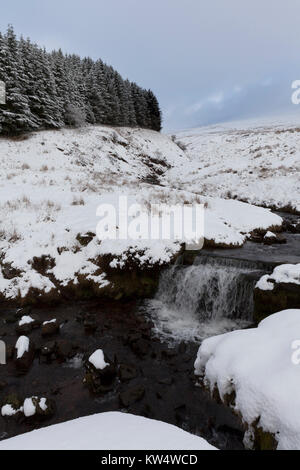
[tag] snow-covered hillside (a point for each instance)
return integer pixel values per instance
(254, 161)
(111, 430)
(51, 184)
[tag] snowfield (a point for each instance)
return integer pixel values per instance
(254, 161)
(52, 182)
(112, 430)
(260, 368)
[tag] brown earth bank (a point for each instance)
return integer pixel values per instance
(147, 377)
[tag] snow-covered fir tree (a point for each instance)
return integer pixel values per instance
(50, 90)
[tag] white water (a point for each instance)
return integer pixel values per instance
(210, 297)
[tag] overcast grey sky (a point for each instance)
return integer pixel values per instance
(207, 60)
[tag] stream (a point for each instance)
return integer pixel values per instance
(156, 339)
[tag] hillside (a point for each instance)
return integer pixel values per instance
(256, 162)
(51, 183)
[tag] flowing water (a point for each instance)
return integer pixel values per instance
(212, 296)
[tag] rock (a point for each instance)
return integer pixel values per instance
(100, 380)
(166, 381)
(50, 327)
(24, 329)
(24, 358)
(23, 311)
(3, 384)
(64, 349)
(90, 323)
(48, 348)
(86, 238)
(38, 408)
(9, 352)
(15, 403)
(140, 346)
(284, 296)
(127, 372)
(132, 395)
(273, 238)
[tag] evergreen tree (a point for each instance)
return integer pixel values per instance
(50, 90)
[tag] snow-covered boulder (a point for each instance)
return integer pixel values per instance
(279, 290)
(256, 372)
(24, 354)
(100, 373)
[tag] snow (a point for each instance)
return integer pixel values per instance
(8, 410)
(22, 346)
(29, 407)
(52, 183)
(270, 235)
(285, 273)
(25, 320)
(257, 161)
(49, 321)
(261, 365)
(97, 359)
(108, 431)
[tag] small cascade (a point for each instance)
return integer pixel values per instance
(212, 296)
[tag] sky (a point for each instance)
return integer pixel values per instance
(208, 61)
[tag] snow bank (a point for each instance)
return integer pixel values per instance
(285, 273)
(108, 431)
(261, 367)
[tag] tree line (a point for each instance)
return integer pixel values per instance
(52, 90)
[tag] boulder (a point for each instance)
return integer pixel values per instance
(50, 327)
(24, 354)
(100, 378)
(132, 395)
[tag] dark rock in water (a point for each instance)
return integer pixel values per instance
(90, 322)
(24, 329)
(23, 311)
(64, 349)
(100, 381)
(283, 296)
(291, 227)
(9, 352)
(41, 408)
(276, 239)
(50, 328)
(15, 402)
(127, 372)
(2, 385)
(48, 349)
(141, 347)
(132, 395)
(166, 381)
(24, 362)
(12, 318)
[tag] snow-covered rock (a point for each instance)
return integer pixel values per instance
(257, 372)
(285, 273)
(108, 431)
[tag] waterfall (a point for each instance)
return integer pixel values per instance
(211, 296)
